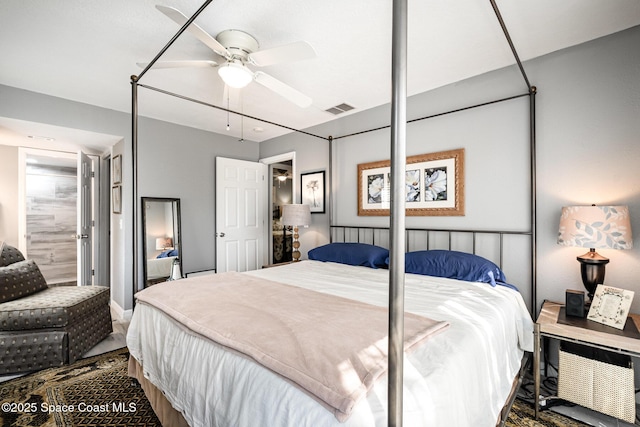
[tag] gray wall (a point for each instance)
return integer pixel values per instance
(589, 129)
(312, 155)
(174, 161)
(177, 161)
(588, 132)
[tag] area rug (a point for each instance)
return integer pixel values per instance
(96, 391)
(522, 415)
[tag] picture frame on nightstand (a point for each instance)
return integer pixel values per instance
(610, 306)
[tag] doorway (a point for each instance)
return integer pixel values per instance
(49, 200)
(281, 194)
(282, 173)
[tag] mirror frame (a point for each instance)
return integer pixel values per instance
(144, 200)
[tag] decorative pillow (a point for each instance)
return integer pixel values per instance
(20, 279)
(453, 265)
(352, 254)
(9, 255)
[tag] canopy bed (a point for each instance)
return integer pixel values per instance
(484, 328)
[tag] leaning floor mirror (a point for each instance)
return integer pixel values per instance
(162, 240)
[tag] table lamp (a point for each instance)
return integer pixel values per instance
(164, 243)
(296, 215)
(594, 227)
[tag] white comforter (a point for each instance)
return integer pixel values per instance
(159, 267)
(459, 378)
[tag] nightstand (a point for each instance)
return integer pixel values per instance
(552, 323)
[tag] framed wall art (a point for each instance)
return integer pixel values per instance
(116, 199)
(312, 191)
(117, 169)
(434, 185)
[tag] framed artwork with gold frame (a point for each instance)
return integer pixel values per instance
(434, 185)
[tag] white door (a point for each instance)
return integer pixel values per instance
(84, 235)
(241, 213)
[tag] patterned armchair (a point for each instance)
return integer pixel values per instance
(42, 326)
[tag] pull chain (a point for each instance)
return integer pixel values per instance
(228, 125)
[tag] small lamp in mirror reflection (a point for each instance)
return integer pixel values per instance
(164, 243)
(296, 215)
(595, 227)
(176, 273)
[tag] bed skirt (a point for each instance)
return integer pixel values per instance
(170, 417)
(167, 414)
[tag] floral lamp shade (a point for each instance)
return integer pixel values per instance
(601, 227)
(598, 227)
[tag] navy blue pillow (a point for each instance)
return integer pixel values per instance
(169, 253)
(352, 254)
(454, 265)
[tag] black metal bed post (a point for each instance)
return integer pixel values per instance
(532, 153)
(397, 219)
(134, 144)
(534, 207)
(330, 186)
(174, 38)
(134, 198)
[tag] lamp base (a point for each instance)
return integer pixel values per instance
(296, 245)
(592, 269)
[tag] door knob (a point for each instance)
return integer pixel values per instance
(220, 234)
(80, 236)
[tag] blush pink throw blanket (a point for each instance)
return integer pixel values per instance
(332, 347)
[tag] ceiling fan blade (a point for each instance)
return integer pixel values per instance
(180, 64)
(180, 19)
(282, 89)
(291, 52)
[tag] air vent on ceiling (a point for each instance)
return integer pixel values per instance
(340, 108)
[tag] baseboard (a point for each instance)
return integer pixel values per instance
(120, 312)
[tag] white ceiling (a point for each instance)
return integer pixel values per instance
(21, 133)
(86, 51)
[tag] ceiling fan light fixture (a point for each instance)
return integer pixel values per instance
(235, 75)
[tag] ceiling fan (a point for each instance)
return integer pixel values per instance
(282, 175)
(236, 50)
